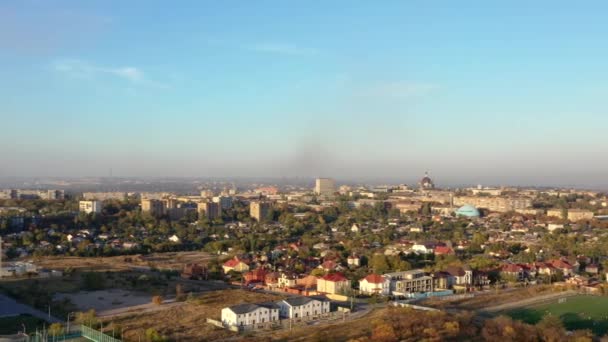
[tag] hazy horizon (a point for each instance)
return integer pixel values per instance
(489, 93)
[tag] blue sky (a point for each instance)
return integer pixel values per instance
(474, 91)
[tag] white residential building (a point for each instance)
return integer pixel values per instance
(372, 284)
(297, 307)
(250, 314)
(90, 206)
(401, 283)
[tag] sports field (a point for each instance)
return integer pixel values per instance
(578, 312)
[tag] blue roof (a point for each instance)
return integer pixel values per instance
(468, 211)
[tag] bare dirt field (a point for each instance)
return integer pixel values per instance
(163, 261)
(105, 300)
(187, 322)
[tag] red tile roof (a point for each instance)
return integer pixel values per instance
(374, 279)
(334, 277)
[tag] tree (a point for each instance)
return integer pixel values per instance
(56, 329)
(551, 328)
(157, 300)
(153, 336)
(88, 318)
(379, 263)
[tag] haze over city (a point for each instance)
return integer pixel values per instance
(476, 93)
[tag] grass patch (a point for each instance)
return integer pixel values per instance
(578, 312)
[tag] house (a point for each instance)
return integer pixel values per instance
(564, 266)
(462, 276)
(256, 276)
(443, 250)
(592, 269)
(330, 265)
(355, 228)
(334, 283)
(353, 261)
(250, 314)
(513, 271)
(287, 279)
(174, 238)
(298, 307)
(401, 283)
(424, 248)
(372, 284)
(236, 265)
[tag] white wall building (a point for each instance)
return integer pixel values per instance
(325, 186)
(373, 284)
(250, 314)
(297, 307)
(90, 206)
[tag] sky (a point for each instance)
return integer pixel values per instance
(490, 92)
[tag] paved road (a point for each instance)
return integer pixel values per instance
(10, 307)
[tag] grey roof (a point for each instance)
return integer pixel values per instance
(269, 305)
(298, 301)
(244, 308)
(247, 307)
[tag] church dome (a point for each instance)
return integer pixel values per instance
(426, 182)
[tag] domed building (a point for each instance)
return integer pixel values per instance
(467, 210)
(426, 183)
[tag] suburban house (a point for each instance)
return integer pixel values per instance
(424, 248)
(353, 261)
(334, 283)
(372, 284)
(236, 265)
(256, 276)
(287, 279)
(564, 266)
(250, 314)
(443, 250)
(297, 307)
(461, 276)
(514, 271)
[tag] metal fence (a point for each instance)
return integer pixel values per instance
(83, 331)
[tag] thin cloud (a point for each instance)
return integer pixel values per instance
(283, 49)
(81, 69)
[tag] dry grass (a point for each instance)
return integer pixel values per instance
(168, 261)
(338, 331)
(483, 300)
(187, 322)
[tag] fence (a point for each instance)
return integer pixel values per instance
(96, 335)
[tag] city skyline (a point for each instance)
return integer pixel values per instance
(506, 94)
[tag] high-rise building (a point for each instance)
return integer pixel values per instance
(259, 210)
(325, 186)
(225, 202)
(211, 210)
(90, 206)
(152, 206)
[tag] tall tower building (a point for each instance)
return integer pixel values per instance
(211, 210)
(325, 187)
(259, 210)
(153, 206)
